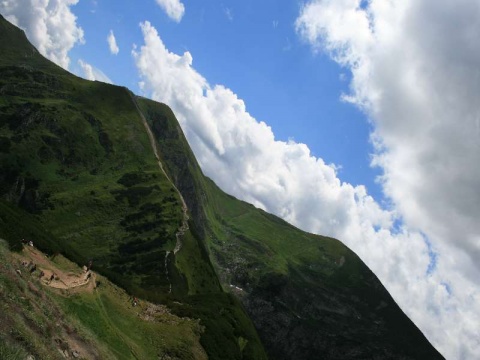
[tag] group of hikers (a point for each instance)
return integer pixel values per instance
(29, 243)
(32, 267)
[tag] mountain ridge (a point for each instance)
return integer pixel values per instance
(93, 182)
(207, 189)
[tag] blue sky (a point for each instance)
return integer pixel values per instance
(257, 88)
(252, 48)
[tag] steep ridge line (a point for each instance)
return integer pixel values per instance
(184, 227)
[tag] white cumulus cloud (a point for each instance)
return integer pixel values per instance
(49, 24)
(243, 157)
(173, 8)
(91, 73)
(112, 43)
(415, 67)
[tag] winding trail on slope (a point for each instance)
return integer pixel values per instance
(184, 227)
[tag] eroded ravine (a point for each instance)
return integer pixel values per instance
(184, 226)
(166, 272)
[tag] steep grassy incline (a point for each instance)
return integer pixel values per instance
(17, 51)
(79, 176)
(78, 157)
(309, 296)
(93, 321)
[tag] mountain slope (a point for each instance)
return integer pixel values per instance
(76, 160)
(92, 319)
(309, 296)
(80, 175)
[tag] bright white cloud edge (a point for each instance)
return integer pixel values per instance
(90, 72)
(50, 26)
(444, 304)
(112, 43)
(242, 156)
(416, 74)
(173, 8)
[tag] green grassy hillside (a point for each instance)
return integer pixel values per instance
(80, 176)
(96, 323)
(309, 296)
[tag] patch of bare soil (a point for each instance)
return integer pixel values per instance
(50, 274)
(33, 262)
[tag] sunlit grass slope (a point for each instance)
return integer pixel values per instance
(308, 295)
(97, 324)
(79, 176)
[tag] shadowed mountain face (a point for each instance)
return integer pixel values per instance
(80, 176)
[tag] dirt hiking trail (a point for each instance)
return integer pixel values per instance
(63, 275)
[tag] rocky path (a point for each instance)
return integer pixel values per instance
(53, 276)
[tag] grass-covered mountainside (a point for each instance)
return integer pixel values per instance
(78, 176)
(92, 172)
(66, 318)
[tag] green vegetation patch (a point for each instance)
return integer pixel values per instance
(101, 323)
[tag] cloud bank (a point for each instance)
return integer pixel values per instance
(416, 74)
(173, 8)
(92, 73)
(243, 157)
(49, 24)
(112, 43)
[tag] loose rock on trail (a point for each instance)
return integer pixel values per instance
(50, 274)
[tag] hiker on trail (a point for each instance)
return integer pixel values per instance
(90, 263)
(41, 274)
(135, 301)
(30, 243)
(34, 267)
(51, 278)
